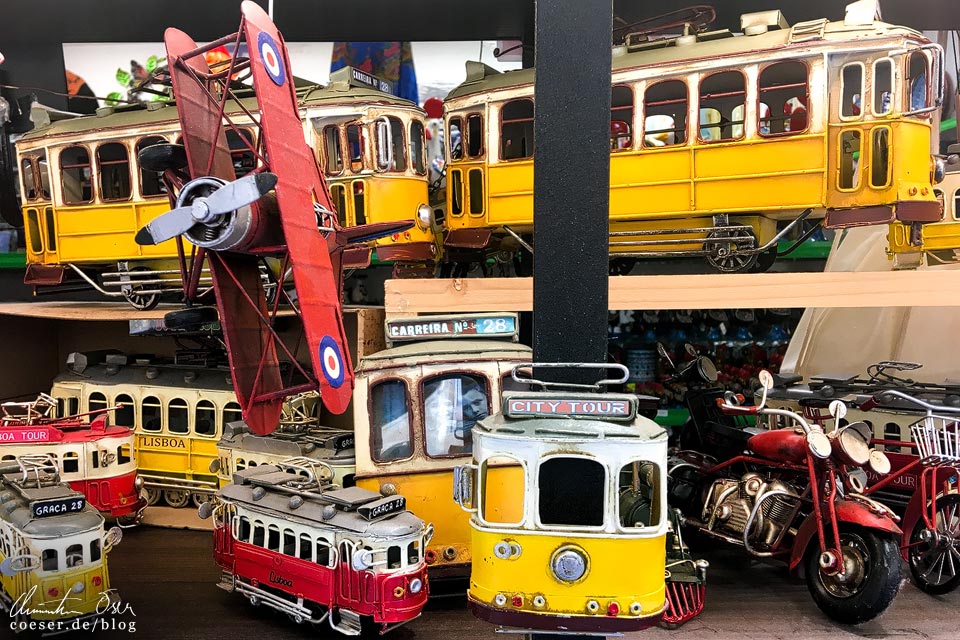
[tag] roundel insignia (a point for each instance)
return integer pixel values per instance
(331, 361)
(270, 54)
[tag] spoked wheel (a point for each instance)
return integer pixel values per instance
(176, 497)
(868, 582)
(934, 558)
(722, 252)
(153, 496)
(138, 300)
(199, 498)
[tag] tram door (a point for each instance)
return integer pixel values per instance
(349, 580)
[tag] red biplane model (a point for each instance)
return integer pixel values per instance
(281, 209)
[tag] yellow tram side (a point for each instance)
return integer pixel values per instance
(719, 130)
(940, 241)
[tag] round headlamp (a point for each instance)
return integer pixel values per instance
(853, 443)
(415, 585)
(424, 216)
(568, 564)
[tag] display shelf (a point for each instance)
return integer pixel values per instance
(928, 288)
(810, 250)
(13, 260)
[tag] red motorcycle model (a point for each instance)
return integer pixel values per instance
(797, 495)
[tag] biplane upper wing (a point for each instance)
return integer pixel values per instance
(299, 186)
(236, 277)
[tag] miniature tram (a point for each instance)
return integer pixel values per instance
(320, 553)
(53, 549)
(85, 193)
(94, 458)
(715, 138)
(564, 485)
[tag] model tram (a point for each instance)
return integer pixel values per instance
(564, 485)
(716, 138)
(85, 194)
(319, 553)
(415, 405)
(94, 458)
(53, 550)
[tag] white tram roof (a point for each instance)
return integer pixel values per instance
(308, 443)
(16, 510)
(152, 375)
(448, 350)
(573, 430)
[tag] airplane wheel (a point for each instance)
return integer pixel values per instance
(722, 254)
(191, 319)
(176, 497)
(153, 496)
(137, 300)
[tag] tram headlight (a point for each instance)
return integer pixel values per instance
(939, 170)
(568, 564)
(424, 216)
(416, 585)
(138, 483)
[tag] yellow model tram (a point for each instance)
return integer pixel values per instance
(715, 138)
(85, 194)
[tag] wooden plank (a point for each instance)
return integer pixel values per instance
(107, 311)
(929, 288)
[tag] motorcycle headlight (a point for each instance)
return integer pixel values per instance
(568, 564)
(424, 216)
(415, 585)
(853, 442)
(879, 462)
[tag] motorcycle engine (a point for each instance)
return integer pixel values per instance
(730, 503)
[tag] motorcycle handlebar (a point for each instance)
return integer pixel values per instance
(878, 399)
(733, 409)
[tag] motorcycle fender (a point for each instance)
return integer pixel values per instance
(849, 512)
(915, 508)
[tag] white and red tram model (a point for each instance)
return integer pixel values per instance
(93, 457)
(288, 539)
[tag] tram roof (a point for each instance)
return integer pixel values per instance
(569, 429)
(719, 44)
(15, 510)
(449, 349)
(166, 376)
(283, 444)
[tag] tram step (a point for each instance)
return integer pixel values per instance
(349, 624)
(227, 582)
(413, 270)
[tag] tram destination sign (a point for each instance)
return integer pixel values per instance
(360, 78)
(57, 507)
(18, 435)
(604, 407)
(382, 507)
(497, 325)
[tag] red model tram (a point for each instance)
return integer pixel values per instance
(288, 539)
(95, 458)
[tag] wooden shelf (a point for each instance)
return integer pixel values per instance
(928, 288)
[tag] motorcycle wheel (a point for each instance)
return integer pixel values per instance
(935, 568)
(872, 564)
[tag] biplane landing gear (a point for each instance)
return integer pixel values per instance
(191, 319)
(723, 250)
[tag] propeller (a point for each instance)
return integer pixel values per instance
(206, 210)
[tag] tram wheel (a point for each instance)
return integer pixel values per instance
(200, 498)
(176, 498)
(622, 266)
(137, 300)
(153, 496)
(722, 254)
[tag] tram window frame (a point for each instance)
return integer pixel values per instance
(455, 151)
(273, 537)
(28, 173)
(394, 557)
(910, 107)
(772, 92)
(376, 430)
(73, 551)
(259, 536)
(50, 225)
(681, 132)
(475, 183)
(325, 556)
(475, 131)
(455, 185)
(305, 548)
(182, 416)
(359, 201)
(654, 492)
(956, 204)
(97, 401)
(96, 551)
(521, 490)
(479, 379)
(126, 415)
(34, 231)
(721, 99)
(70, 462)
(338, 194)
(231, 408)
(524, 126)
(206, 407)
(124, 454)
(358, 159)
(885, 148)
(855, 164)
(50, 560)
(398, 146)
(418, 147)
(106, 173)
(241, 143)
(332, 165)
(43, 173)
(147, 177)
(848, 101)
(413, 552)
(84, 174)
(630, 109)
(154, 403)
(560, 501)
(72, 406)
(876, 88)
(244, 529)
(289, 543)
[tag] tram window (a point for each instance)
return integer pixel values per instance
(783, 98)
(232, 412)
(29, 179)
(113, 164)
(205, 419)
(849, 177)
(43, 170)
(571, 492)
(665, 114)
(150, 414)
(639, 494)
(475, 135)
(33, 226)
(333, 156)
(74, 556)
(273, 537)
(50, 224)
(49, 560)
(475, 177)
(417, 148)
(393, 557)
(95, 459)
(880, 157)
(151, 183)
(124, 416)
(73, 406)
(75, 175)
(917, 81)
(289, 543)
(391, 150)
(456, 203)
(851, 90)
(306, 548)
(243, 531)
(720, 94)
(891, 431)
(96, 401)
(516, 130)
(178, 416)
(338, 194)
(258, 533)
(95, 551)
(455, 136)
(621, 118)
(507, 383)
(359, 202)
(241, 146)
(323, 553)
(504, 488)
(413, 552)
(390, 421)
(241, 464)
(452, 404)
(355, 147)
(882, 86)
(124, 455)
(956, 204)
(71, 462)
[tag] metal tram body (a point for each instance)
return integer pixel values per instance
(85, 194)
(414, 407)
(94, 458)
(939, 242)
(317, 552)
(53, 549)
(564, 486)
(715, 138)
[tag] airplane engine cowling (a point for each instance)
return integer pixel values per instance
(243, 229)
